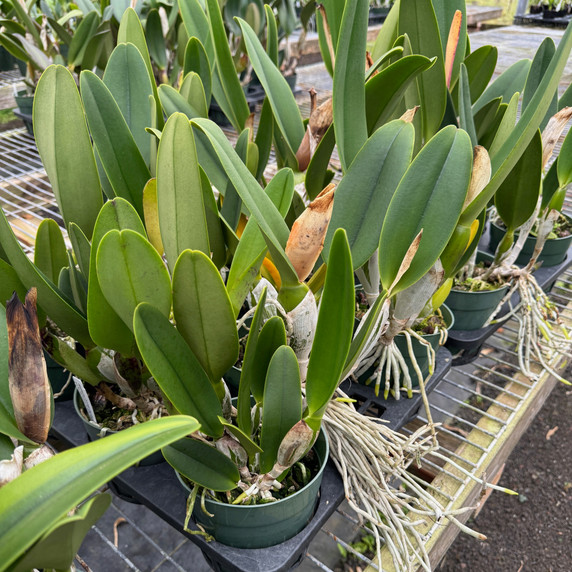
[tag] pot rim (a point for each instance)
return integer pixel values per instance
(531, 237)
(504, 286)
(275, 503)
(77, 396)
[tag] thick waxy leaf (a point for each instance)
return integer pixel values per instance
(485, 118)
(49, 490)
(465, 113)
(318, 176)
(349, 90)
(264, 136)
(333, 331)
(249, 445)
(229, 81)
(155, 39)
(176, 369)
(127, 79)
(271, 35)
(131, 31)
(173, 102)
(80, 39)
(284, 107)
(429, 198)
(193, 91)
(257, 202)
(151, 211)
(51, 299)
(244, 418)
(202, 464)
(252, 248)
(540, 63)
(65, 148)
(50, 253)
(182, 217)
(384, 91)
(197, 25)
(204, 314)
(214, 223)
(506, 126)
(105, 325)
(419, 22)
(506, 85)
(282, 404)
(81, 248)
(385, 40)
(363, 195)
(516, 198)
(196, 60)
(121, 159)
(564, 162)
(59, 545)
(130, 271)
(480, 66)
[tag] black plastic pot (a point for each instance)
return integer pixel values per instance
(552, 254)
(58, 377)
(263, 525)
(254, 94)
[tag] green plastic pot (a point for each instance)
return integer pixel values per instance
(419, 351)
(473, 309)
(552, 254)
(263, 525)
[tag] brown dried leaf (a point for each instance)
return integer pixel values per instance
(28, 378)
(552, 133)
(452, 43)
(409, 115)
(406, 262)
(480, 176)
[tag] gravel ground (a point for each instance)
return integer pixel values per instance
(531, 532)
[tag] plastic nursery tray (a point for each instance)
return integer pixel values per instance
(465, 345)
(158, 488)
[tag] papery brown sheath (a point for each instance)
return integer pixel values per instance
(28, 378)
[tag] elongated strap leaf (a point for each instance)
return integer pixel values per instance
(50, 253)
(173, 102)
(506, 126)
(182, 218)
(388, 34)
(196, 60)
(282, 405)
(280, 96)
(348, 91)
(204, 314)
(516, 198)
(81, 248)
(257, 202)
(81, 37)
(318, 175)
(465, 113)
(44, 493)
(124, 166)
(127, 79)
(333, 331)
(193, 91)
(202, 464)
(480, 66)
(249, 445)
(364, 194)
(214, 223)
(264, 136)
(271, 35)
(251, 249)
(130, 271)
(197, 25)
(51, 299)
(65, 148)
(384, 91)
(155, 39)
(419, 22)
(430, 198)
(105, 325)
(176, 369)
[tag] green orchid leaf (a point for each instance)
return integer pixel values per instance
(182, 218)
(127, 79)
(131, 31)
(243, 416)
(439, 176)
(214, 223)
(506, 85)
(506, 126)
(193, 91)
(230, 83)
(173, 102)
(279, 94)
(364, 194)
(105, 325)
(333, 331)
(65, 148)
(60, 544)
(57, 305)
(419, 22)
(9, 283)
(384, 92)
(466, 121)
(271, 35)
(121, 159)
(202, 464)
(50, 253)
(130, 271)
(204, 314)
(517, 196)
(41, 495)
(197, 25)
(78, 285)
(249, 445)
(251, 249)
(480, 66)
(485, 118)
(564, 162)
(176, 369)
(232, 205)
(81, 37)
(282, 404)
(318, 174)
(348, 92)
(155, 39)
(24, 17)
(256, 201)
(196, 60)
(81, 248)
